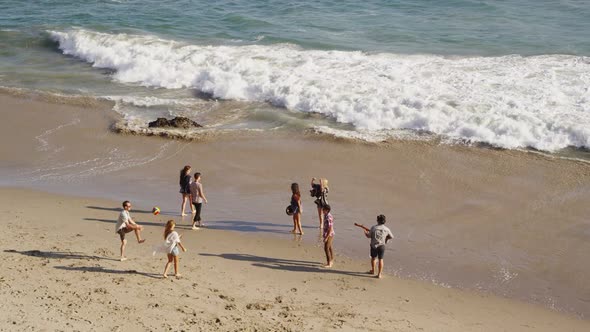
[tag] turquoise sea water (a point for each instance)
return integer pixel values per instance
(513, 74)
(460, 27)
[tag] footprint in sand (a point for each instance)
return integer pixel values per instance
(258, 306)
(119, 280)
(227, 298)
(103, 252)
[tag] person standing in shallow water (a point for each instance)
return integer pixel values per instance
(379, 235)
(197, 199)
(320, 192)
(185, 188)
(297, 209)
(328, 235)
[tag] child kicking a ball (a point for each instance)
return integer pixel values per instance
(172, 244)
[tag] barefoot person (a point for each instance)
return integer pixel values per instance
(185, 188)
(328, 235)
(172, 244)
(379, 235)
(296, 208)
(126, 224)
(197, 199)
(320, 191)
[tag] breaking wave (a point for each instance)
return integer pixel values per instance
(541, 102)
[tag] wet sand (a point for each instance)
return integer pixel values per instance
(503, 222)
(61, 273)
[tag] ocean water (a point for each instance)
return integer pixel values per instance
(512, 74)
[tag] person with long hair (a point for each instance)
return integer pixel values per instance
(172, 244)
(185, 188)
(328, 235)
(297, 209)
(320, 192)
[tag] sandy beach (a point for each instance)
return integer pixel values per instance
(61, 273)
(465, 123)
(486, 240)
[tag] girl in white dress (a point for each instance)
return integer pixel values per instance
(171, 245)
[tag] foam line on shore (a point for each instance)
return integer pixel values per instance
(509, 101)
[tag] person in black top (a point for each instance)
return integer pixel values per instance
(320, 191)
(296, 208)
(185, 188)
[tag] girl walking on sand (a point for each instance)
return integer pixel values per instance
(172, 244)
(185, 188)
(328, 235)
(296, 207)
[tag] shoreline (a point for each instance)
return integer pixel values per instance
(120, 126)
(63, 273)
(455, 222)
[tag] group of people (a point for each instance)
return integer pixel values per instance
(379, 234)
(192, 190)
(126, 224)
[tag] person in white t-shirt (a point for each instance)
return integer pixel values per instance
(379, 235)
(172, 244)
(126, 224)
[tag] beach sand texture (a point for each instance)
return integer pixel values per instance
(501, 222)
(60, 273)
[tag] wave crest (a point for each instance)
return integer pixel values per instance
(541, 102)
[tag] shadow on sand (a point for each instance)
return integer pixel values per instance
(285, 264)
(112, 221)
(251, 226)
(59, 255)
(101, 269)
(116, 209)
(77, 255)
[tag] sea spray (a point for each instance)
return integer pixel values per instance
(541, 102)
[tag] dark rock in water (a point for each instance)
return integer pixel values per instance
(177, 122)
(180, 122)
(160, 122)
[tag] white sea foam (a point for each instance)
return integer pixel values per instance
(111, 161)
(151, 101)
(511, 101)
(43, 138)
(375, 136)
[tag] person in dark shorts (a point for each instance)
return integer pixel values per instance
(379, 235)
(185, 188)
(197, 199)
(126, 224)
(296, 208)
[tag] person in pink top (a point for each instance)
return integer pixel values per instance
(328, 235)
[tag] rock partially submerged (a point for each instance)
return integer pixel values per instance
(177, 122)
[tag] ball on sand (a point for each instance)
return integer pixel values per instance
(156, 210)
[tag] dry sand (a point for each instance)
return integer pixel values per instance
(60, 272)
